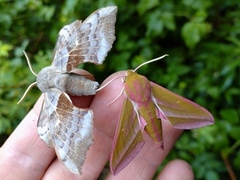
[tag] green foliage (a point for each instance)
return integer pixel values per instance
(201, 38)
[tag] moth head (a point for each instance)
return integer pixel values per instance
(129, 76)
(46, 74)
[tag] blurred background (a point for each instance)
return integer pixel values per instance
(202, 38)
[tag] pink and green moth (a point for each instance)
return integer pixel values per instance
(145, 106)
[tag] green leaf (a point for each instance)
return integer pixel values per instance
(235, 133)
(4, 49)
(193, 32)
(231, 115)
(145, 5)
(169, 21)
(212, 175)
(154, 24)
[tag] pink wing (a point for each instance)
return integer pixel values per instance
(128, 140)
(181, 112)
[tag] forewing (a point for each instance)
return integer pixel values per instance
(128, 140)
(181, 112)
(69, 129)
(87, 41)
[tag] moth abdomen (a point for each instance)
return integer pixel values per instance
(75, 84)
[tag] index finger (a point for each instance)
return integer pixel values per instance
(106, 117)
(104, 128)
(23, 151)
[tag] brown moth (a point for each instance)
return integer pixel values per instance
(61, 125)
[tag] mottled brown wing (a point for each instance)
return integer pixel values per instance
(87, 41)
(66, 128)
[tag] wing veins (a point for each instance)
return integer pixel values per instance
(68, 147)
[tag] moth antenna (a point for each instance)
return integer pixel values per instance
(150, 61)
(116, 97)
(29, 64)
(108, 83)
(25, 93)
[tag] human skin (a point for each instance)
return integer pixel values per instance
(25, 156)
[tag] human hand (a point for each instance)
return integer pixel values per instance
(25, 156)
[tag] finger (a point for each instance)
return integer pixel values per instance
(106, 117)
(145, 164)
(24, 151)
(104, 127)
(105, 123)
(176, 169)
(149, 158)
